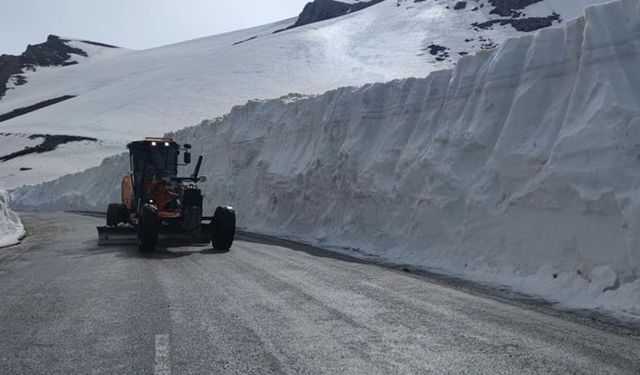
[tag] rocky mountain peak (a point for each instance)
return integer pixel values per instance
(321, 10)
(54, 52)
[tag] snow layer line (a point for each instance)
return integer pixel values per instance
(521, 166)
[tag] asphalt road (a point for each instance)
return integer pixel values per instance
(68, 306)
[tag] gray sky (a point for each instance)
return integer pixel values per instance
(136, 24)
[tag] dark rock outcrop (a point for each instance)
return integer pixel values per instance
(53, 52)
(320, 10)
(49, 143)
(521, 24)
(9, 65)
(509, 8)
(460, 5)
(441, 53)
(23, 111)
(99, 44)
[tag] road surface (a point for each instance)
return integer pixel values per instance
(68, 306)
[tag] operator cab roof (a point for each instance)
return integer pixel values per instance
(151, 141)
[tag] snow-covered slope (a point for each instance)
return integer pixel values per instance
(42, 164)
(11, 229)
(55, 57)
(520, 166)
(124, 95)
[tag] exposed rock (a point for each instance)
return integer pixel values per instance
(53, 52)
(23, 111)
(460, 5)
(435, 49)
(9, 65)
(99, 44)
(49, 143)
(522, 24)
(320, 10)
(508, 8)
(441, 53)
(245, 40)
(19, 80)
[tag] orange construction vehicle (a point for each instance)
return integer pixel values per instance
(157, 205)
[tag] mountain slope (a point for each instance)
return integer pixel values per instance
(142, 93)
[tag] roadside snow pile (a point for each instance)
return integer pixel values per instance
(519, 167)
(11, 229)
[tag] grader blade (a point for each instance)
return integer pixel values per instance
(108, 236)
(116, 236)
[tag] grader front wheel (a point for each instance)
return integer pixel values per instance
(148, 227)
(223, 228)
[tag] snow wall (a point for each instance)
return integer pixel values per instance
(520, 167)
(11, 229)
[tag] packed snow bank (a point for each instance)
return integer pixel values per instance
(519, 167)
(11, 229)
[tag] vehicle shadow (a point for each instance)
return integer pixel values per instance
(167, 253)
(263, 239)
(162, 252)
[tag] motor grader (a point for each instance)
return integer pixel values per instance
(158, 206)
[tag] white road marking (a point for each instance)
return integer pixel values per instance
(162, 365)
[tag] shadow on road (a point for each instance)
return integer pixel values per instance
(162, 252)
(165, 253)
(297, 246)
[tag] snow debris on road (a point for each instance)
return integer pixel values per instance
(11, 229)
(519, 167)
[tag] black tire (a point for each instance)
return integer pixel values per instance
(112, 215)
(223, 228)
(148, 228)
(116, 214)
(122, 214)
